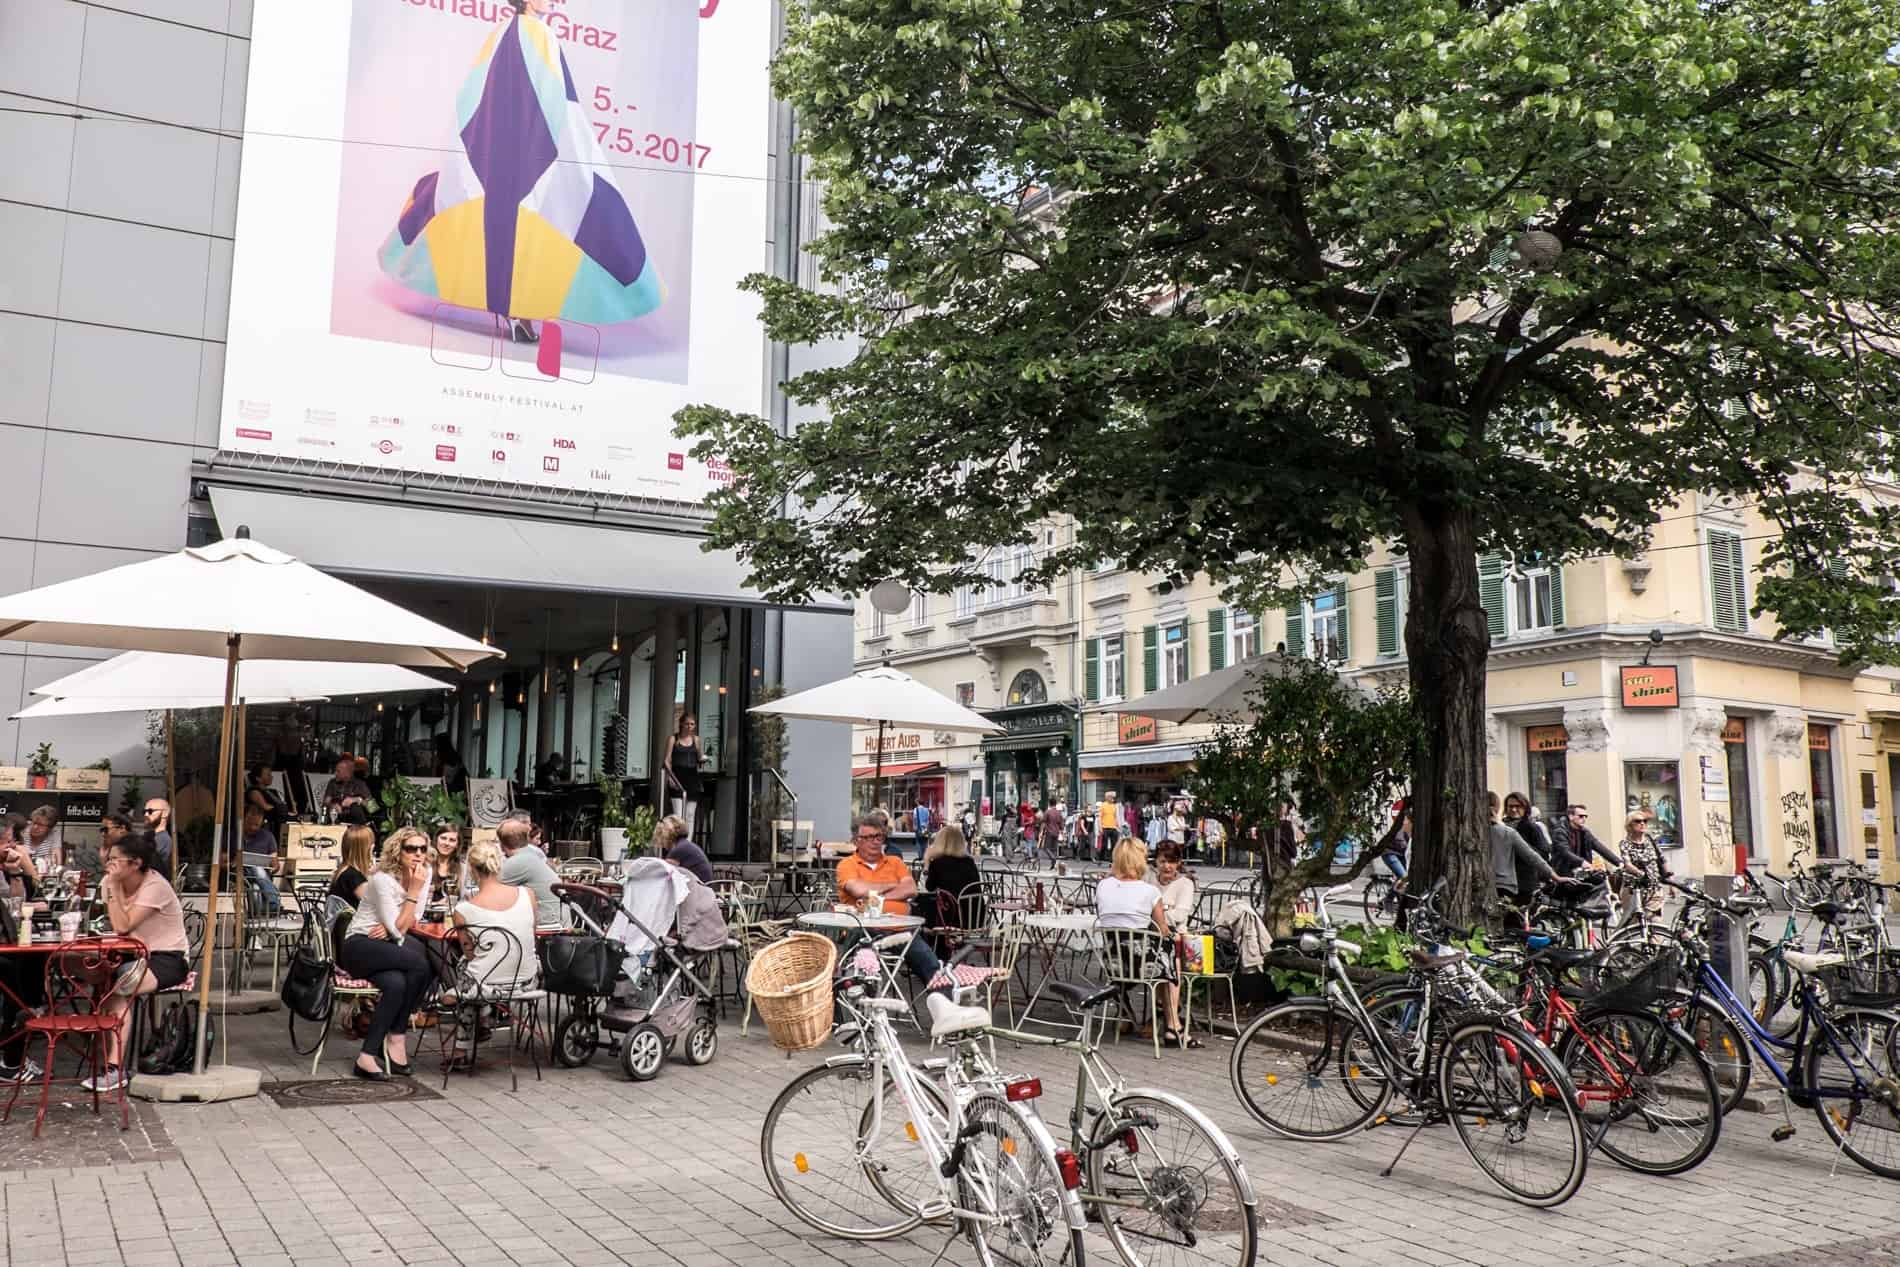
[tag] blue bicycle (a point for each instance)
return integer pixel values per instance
(1845, 1048)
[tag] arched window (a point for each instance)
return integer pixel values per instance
(1027, 687)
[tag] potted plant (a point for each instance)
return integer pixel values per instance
(613, 819)
(644, 823)
(441, 808)
(42, 767)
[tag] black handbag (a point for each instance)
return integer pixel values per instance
(579, 963)
(309, 983)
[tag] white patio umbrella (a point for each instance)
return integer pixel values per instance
(881, 697)
(157, 681)
(235, 600)
(1222, 695)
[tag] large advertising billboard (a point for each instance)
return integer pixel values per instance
(500, 243)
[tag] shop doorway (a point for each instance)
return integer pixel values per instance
(1547, 754)
(1826, 805)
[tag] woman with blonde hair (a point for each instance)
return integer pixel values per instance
(1126, 900)
(950, 870)
(359, 859)
(673, 841)
(377, 948)
(493, 904)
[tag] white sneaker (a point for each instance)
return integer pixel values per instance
(104, 1084)
(30, 1071)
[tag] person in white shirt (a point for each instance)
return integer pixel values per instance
(377, 947)
(1125, 899)
(1177, 889)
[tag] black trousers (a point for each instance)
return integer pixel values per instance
(400, 971)
(25, 975)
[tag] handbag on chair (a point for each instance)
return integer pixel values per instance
(309, 982)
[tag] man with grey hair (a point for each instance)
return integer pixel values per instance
(525, 864)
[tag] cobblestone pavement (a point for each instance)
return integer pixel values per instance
(584, 1167)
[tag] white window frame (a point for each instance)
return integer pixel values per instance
(1243, 635)
(1174, 654)
(918, 617)
(966, 601)
(957, 694)
(1523, 584)
(1112, 667)
(1021, 560)
(1332, 616)
(879, 622)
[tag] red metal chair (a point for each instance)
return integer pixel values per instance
(80, 978)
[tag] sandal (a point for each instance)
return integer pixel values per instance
(1173, 1038)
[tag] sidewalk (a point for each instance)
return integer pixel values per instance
(587, 1168)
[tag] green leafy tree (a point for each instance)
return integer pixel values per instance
(1250, 288)
(1340, 754)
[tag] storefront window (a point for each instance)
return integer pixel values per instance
(1741, 794)
(1548, 758)
(1003, 792)
(1827, 841)
(1655, 787)
(1061, 786)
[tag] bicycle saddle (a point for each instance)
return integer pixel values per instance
(1565, 957)
(1802, 961)
(1431, 962)
(1081, 997)
(1827, 912)
(947, 1019)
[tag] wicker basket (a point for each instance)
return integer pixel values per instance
(789, 983)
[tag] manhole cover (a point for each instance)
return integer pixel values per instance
(329, 1092)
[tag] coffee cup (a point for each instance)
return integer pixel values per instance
(69, 926)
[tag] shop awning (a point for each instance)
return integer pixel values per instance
(902, 769)
(1160, 754)
(411, 541)
(1023, 743)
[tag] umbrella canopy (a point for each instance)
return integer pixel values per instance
(193, 602)
(881, 696)
(152, 681)
(1218, 696)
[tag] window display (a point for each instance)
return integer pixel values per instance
(1655, 787)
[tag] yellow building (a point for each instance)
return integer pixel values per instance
(1617, 684)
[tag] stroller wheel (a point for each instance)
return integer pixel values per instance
(575, 1040)
(702, 1042)
(643, 1052)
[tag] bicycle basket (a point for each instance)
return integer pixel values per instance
(1868, 976)
(789, 983)
(1640, 989)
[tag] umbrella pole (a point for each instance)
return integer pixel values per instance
(217, 856)
(241, 795)
(877, 779)
(171, 792)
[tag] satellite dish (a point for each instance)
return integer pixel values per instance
(1538, 249)
(891, 597)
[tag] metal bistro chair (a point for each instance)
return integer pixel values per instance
(80, 978)
(583, 870)
(1136, 959)
(502, 994)
(742, 905)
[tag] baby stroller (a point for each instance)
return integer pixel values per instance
(632, 969)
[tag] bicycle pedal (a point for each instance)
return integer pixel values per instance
(1781, 1134)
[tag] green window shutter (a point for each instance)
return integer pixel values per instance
(1491, 592)
(1837, 569)
(1217, 639)
(1295, 629)
(1728, 597)
(1557, 595)
(1150, 659)
(1345, 621)
(1092, 669)
(1385, 607)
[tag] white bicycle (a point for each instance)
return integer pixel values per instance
(866, 1147)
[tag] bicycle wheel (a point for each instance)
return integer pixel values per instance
(833, 1167)
(1515, 1111)
(1286, 1070)
(1854, 1075)
(1399, 1015)
(1167, 1190)
(1717, 1040)
(1648, 1099)
(1380, 907)
(1010, 1180)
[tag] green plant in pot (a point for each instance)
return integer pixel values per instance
(613, 819)
(645, 820)
(42, 766)
(441, 808)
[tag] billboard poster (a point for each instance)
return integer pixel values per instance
(500, 242)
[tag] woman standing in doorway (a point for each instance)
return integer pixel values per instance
(683, 759)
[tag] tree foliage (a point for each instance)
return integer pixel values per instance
(1341, 755)
(1248, 288)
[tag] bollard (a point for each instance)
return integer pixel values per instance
(1728, 937)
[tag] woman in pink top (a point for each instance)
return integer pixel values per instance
(140, 903)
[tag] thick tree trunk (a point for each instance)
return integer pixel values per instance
(1447, 640)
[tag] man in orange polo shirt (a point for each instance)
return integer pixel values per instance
(871, 870)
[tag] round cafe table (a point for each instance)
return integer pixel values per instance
(1051, 935)
(835, 923)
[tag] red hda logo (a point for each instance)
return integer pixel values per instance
(564, 444)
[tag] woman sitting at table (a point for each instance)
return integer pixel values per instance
(492, 904)
(450, 874)
(359, 859)
(673, 842)
(19, 876)
(378, 949)
(140, 903)
(950, 873)
(1126, 900)
(1177, 890)
(21, 976)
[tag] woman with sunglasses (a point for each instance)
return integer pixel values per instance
(378, 949)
